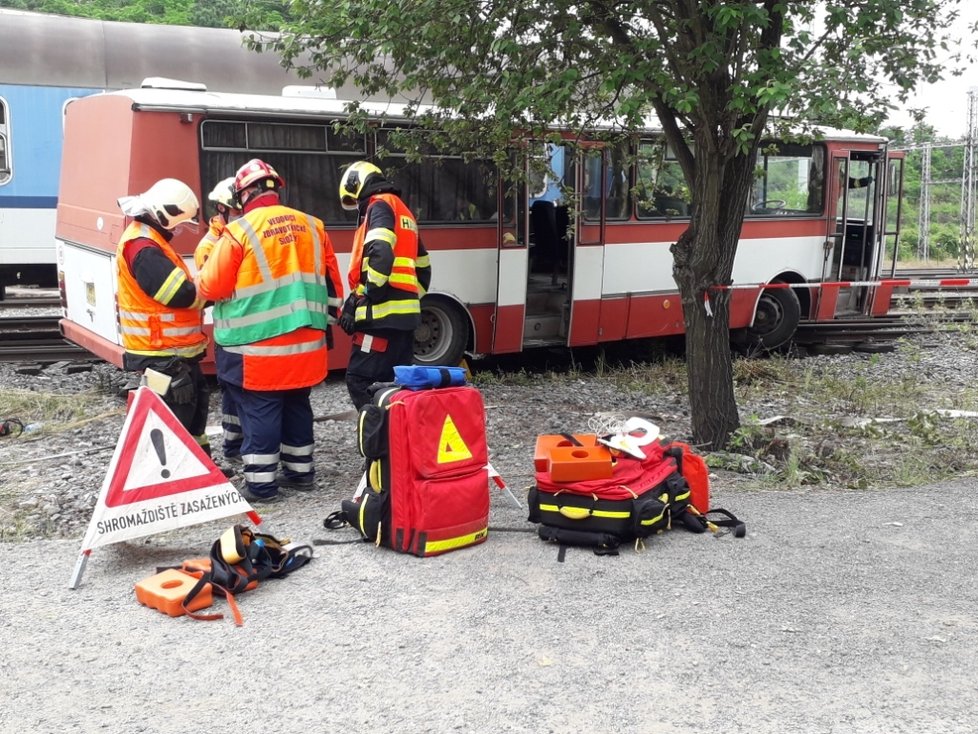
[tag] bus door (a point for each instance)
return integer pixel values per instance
(854, 232)
(595, 181)
(544, 228)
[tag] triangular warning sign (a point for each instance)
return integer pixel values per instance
(159, 479)
(159, 457)
(451, 447)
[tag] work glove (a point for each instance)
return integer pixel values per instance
(347, 319)
(181, 390)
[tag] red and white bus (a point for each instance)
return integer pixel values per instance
(513, 267)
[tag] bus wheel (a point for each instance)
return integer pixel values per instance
(777, 317)
(442, 335)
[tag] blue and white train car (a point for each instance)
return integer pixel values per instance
(48, 60)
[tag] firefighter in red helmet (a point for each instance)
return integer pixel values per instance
(277, 288)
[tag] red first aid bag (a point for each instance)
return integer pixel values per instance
(428, 481)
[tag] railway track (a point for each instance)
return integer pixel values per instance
(35, 339)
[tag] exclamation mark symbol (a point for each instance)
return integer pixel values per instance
(156, 436)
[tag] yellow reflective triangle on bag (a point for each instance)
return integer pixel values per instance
(451, 447)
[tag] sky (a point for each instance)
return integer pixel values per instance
(947, 101)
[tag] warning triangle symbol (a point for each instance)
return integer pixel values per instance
(451, 447)
(158, 456)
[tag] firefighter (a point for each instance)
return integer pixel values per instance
(159, 309)
(225, 204)
(277, 288)
(389, 273)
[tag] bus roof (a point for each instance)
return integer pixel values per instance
(303, 104)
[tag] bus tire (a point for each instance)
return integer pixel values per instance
(776, 320)
(443, 334)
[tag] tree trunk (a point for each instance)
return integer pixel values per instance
(709, 364)
(703, 257)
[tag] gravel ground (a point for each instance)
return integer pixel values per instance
(840, 612)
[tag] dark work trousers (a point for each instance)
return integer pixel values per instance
(193, 414)
(275, 424)
(230, 423)
(368, 365)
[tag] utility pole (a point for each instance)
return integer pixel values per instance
(966, 253)
(923, 211)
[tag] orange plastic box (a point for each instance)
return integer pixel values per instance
(579, 463)
(546, 442)
(166, 590)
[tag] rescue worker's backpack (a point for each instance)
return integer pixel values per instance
(643, 497)
(427, 478)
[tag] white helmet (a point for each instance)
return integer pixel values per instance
(223, 193)
(171, 203)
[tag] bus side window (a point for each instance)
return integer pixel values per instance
(4, 147)
(789, 180)
(660, 186)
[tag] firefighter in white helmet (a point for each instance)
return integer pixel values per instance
(159, 312)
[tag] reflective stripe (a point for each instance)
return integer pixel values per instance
(232, 435)
(252, 350)
(303, 467)
(270, 314)
(255, 242)
(270, 285)
(389, 308)
(259, 477)
(593, 513)
(381, 233)
(170, 286)
(231, 420)
(260, 458)
(317, 251)
(144, 316)
(297, 450)
(374, 277)
(435, 546)
(192, 351)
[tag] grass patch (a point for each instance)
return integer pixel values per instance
(52, 412)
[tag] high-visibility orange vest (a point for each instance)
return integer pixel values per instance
(146, 326)
(287, 291)
(401, 309)
(215, 228)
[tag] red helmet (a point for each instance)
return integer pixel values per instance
(256, 172)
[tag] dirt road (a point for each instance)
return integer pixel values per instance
(839, 612)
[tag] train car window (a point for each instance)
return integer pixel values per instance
(660, 187)
(789, 180)
(441, 187)
(4, 145)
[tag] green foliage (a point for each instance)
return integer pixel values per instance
(208, 13)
